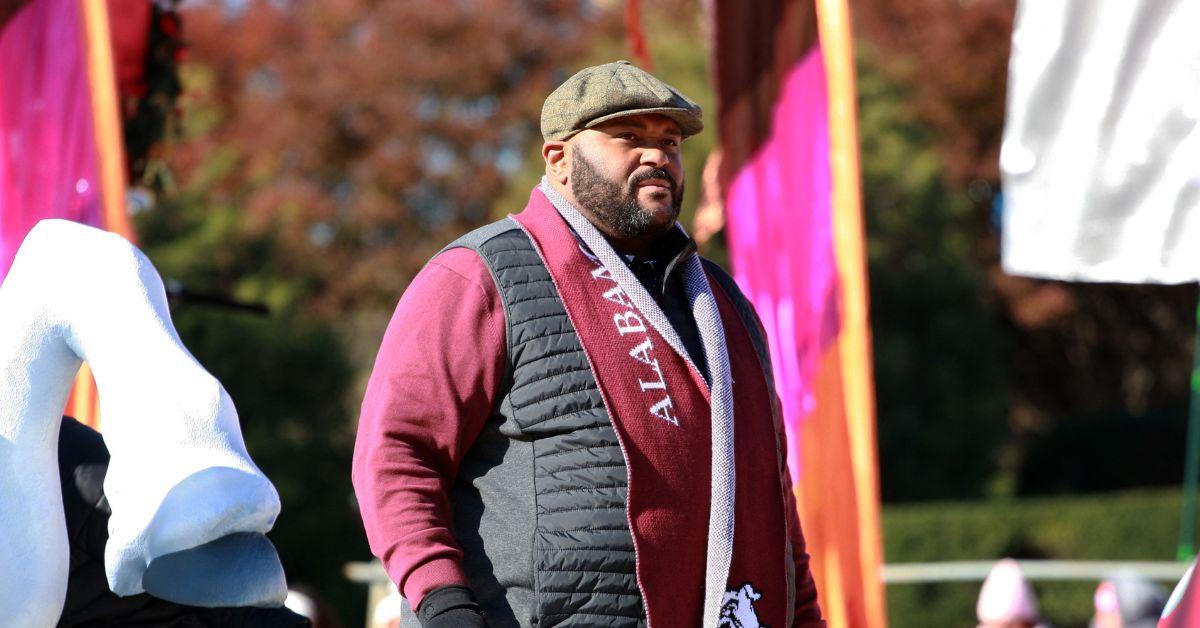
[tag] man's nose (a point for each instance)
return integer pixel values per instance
(653, 156)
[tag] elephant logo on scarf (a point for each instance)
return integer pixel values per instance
(737, 608)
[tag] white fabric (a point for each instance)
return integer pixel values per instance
(1101, 153)
(712, 335)
(75, 293)
(1180, 590)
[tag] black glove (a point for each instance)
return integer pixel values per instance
(450, 607)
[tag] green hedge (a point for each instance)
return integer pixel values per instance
(1130, 525)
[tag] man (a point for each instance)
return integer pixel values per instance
(552, 412)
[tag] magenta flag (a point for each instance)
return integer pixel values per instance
(48, 154)
(780, 234)
(789, 175)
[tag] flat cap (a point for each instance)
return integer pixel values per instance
(613, 90)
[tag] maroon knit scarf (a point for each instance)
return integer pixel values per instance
(659, 406)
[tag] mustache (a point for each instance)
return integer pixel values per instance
(654, 173)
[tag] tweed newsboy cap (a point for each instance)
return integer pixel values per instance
(603, 92)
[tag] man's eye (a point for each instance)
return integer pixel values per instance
(670, 142)
(628, 136)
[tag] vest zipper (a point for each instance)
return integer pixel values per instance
(637, 561)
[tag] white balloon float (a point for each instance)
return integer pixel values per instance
(189, 506)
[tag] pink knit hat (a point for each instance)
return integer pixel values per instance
(1006, 596)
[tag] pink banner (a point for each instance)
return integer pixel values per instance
(48, 154)
(780, 233)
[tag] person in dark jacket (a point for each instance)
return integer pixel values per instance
(547, 437)
(82, 464)
(1127, 599)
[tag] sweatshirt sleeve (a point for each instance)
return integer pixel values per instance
(435, 379)
(807, 612)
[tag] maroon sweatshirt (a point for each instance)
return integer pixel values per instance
(436, 376)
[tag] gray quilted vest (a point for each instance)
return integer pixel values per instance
(538, 504)
(539, 501)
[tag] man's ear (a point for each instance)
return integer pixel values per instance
(557, 161)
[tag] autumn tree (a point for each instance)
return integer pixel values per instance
(354, 138)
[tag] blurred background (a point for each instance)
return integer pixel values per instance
(314, 155)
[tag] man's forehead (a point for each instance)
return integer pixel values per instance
(642, 122)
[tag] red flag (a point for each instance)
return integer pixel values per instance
(1183, 609)
(637, 37)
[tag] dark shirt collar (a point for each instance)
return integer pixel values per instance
(664, 256)
(652, 269)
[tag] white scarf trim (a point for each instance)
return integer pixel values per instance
(712, 335)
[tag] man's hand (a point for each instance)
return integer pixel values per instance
(450, 607)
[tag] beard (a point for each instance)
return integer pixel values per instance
(616, 206)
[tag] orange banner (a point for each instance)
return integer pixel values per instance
(84, 403)
(854, 342)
